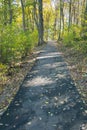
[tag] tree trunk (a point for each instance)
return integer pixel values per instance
(5, 12)
(70, 14)
(62, 13)
(60, 26)
(78, 14)
(74, 13)
(40, 25)
(10, 12)
(23, 15)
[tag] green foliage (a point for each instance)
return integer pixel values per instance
(3, 68)
(16, 44)
(3, 71)
(81, 46)
(72, 35)
(73, 38)
(68, 38)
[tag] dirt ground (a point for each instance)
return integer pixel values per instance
(77, 64)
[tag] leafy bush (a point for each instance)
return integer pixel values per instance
(74, 38)
(16, 44)
(72, 35)
(68, 38)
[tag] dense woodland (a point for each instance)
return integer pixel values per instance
(25, 24)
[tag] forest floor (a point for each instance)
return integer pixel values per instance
(48, 98)
(77, 64)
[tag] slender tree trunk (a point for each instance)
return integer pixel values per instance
(60, 25)
(74, 13)
(83, 10)
(23, 15)
(10, 11)
(55, 21)
(62, 13)
(40, 8)
(39, 20)
(5, 12)
(36, 19)
(32, 21)
(70, 14)
(86, 6)
(78, 14)
(54, 34)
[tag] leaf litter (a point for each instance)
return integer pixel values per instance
(77, 64)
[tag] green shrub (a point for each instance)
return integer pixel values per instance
(68, 38)
(72, 35)
(16, 44)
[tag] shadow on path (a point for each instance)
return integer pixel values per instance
(47, 99)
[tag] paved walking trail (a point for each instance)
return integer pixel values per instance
(47, 99)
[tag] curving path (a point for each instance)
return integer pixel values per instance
(47, 99)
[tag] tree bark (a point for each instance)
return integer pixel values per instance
(70, 14)
(23, 15)
(60, 26)
(40, 25)
(5, 12)
(10, 11)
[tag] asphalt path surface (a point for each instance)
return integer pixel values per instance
(47, 99)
